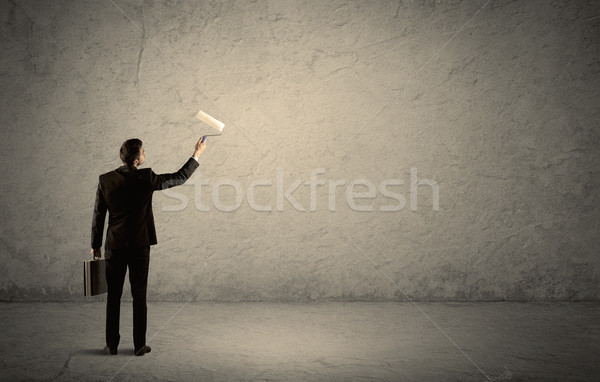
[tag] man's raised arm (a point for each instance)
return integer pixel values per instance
(164, 181)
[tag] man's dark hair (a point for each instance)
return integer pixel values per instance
(130, 151)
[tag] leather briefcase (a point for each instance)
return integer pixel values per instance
(94, 277)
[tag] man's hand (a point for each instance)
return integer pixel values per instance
(97, 253)
(200, 146)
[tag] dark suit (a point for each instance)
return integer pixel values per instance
(126, 193)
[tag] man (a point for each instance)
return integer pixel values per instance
(127, 195)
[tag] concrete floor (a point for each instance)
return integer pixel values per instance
(306, 342)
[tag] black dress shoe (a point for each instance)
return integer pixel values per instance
(143, 350)
(110, 351)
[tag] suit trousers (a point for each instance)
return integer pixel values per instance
(137, 259)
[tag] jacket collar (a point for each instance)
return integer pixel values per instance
(127, 168)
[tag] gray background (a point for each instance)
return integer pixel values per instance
(498, 105)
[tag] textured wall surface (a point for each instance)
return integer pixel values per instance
(494, 103)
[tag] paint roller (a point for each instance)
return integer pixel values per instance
(212, 122)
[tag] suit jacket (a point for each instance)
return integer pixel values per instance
(127, 195)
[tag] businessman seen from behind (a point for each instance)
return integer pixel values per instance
(126, 193)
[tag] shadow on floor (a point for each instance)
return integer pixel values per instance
(101, 352)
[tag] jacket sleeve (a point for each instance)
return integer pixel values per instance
(164, 181)
(98, 218)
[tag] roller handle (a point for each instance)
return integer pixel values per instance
(210, 135)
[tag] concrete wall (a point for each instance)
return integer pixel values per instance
(497, 107)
